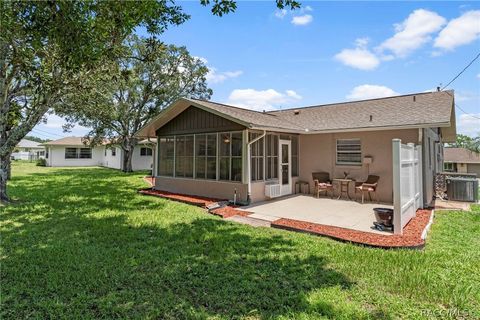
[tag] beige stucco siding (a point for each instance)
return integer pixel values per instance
(474, 168)
(318, 153)
(206, 188)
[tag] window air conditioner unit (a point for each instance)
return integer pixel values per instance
(272, 190)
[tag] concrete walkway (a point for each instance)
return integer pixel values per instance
(338, 213)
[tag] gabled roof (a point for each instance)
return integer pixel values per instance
(67, 141)
(25, 143)
(460, 155)
(420, 110)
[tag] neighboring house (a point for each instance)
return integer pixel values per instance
(28, 150)
(72, 152)
(461, 160)
(216, 150)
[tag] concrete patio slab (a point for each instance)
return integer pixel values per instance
(339, 213)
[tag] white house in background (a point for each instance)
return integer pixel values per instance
(72, 152)
(28, 150)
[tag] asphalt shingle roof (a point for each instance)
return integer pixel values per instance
(412, 109)
(460, 155)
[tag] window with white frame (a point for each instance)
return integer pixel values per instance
(78, 153)
(114, 151)
(230, 156)
(349, 152)
(145, 151)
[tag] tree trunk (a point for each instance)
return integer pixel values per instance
(127, 160)
(128, 146)
(4, 164)
(9, 168)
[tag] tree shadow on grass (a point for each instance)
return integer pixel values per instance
(70, 264)
(107, 268)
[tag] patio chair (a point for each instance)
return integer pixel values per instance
(322, 183)
(369, 186)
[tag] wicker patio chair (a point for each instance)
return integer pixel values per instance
(369, 186)
(322, 183)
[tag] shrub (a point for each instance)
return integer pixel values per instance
(41, 162)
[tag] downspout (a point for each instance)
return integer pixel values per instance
(154, 151)
(249, 177)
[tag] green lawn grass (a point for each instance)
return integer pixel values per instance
(81, 243)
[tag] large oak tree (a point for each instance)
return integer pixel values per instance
(124, 97)
(45, 44)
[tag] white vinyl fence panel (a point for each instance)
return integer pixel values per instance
(407, 183)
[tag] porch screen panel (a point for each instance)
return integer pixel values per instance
(294, 140)
(224, 155)
(184, 156)
(236, 169)
(230, 156)
(349, 152)
(272, 157)
(211, 156)
(206, 156)
(166, 156)
(256, 158)
(200, 156)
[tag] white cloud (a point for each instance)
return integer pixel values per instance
(293, 94)
(213, 76)
(370, 91)
(413, 32)
(466, 124)
(360, 57)
(261, 99)
(281, 13)
(302, 20)
(460, 31)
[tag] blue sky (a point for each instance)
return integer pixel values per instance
(263, 58)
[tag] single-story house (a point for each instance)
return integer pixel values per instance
(461, 160)
(73, 152)
(28, 150)
(217, 150)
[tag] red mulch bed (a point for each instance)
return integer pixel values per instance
(225, 212)
(189, 199)
(411, 238)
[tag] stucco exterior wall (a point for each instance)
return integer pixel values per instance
(474, 168)
(318, 153)
(140, 162)
(109, 161)
(56, 158)
(206, 188)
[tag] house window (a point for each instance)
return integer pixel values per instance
(145, 151)
(206, 156)
(271, 157)
(450, 167)
(256, 157)
(114, 152)
(78, 153)
(166, 156)
(230, 156)
(184, 156)
(105, 152)
(349, 152)
(46, 153)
